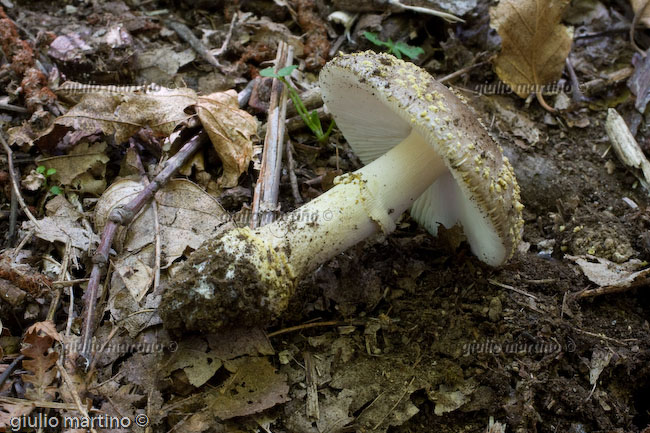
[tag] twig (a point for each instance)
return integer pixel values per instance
(5, 374)
(157, 242)
(123, 215)
(396, 403)
(22, 243)
(73, 392)
(292, 174)
(265, 197)
(62, 276)
(224, 46)
(461, 71)
(186, 34)
(444, 15)
(39, 403)
(14, 183)
(69, 282)
(14, 108)
(575, 85)
(313, 412)
(514, 289)
(304, 326)
(68, 325)
(13, 217)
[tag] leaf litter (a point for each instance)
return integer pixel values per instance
(411, 314)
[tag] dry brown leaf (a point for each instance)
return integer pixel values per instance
(81, 168)
(638, 5)
(187, 216)
(230, 130)
(534, 45)
(46, 328)
(253, 387)
(195, 359)
(63, 224)
(39, 362)
(9, 412)
(123, 113)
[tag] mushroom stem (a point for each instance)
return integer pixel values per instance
(362, 202)
(248, 276)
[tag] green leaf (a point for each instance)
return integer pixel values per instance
(50, 172)
(40, 169)
(287, 70)
(268, 72)
(408, 50)
(372, 37)
(55, 190)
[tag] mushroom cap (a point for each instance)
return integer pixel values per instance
(377, 100)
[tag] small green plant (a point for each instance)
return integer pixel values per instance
(47, 172)
(395, 48)
(311, 119)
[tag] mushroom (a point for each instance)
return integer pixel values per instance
(424, 148)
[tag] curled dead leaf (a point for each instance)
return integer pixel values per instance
(230, 130)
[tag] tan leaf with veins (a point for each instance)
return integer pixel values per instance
(534, 45)
(124, 113)
(230, 130)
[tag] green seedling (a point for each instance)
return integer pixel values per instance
(395, 48)
(311, 119)
(47, 172)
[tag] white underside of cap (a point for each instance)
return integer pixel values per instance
(356, 112)
(443, 203)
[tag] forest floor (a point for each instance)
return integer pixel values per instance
(402, 333)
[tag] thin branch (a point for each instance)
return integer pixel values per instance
(265, 197)
(123, 215)
(292, 174)
(14, 182)
(444, 15)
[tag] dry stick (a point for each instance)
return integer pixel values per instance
(313, 411)
(265, 197)
(123, 215)
(67, 380)
(462, 71)
(224, 46)
(186, 34)
(575, 90)
(13, 217)
(292, 174)
(14, 182)
(5, 374)
(62, 276)
(304, 326)
(635, 21)
(158, 247)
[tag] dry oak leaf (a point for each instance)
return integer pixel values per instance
(231, 131)
(642, 7)
(39, 362)
(534, 45)
(124, 112)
